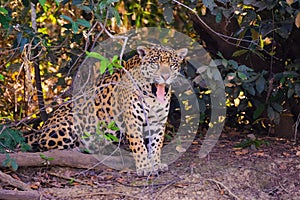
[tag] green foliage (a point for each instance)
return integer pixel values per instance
(10, 162)
(46, 158)
(10, 139)
(102, 132)
(76, 23)
(67, 29)
(246, 87)
(251, 142)
(4, 18)
(105, 63)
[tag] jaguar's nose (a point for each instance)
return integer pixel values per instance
(165, 76)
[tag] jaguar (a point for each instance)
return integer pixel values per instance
(136, 97)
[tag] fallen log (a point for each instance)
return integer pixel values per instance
(63, 158)
(17, 195)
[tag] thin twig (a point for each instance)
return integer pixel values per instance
(225, 187)
(164, 188)
(69, 178)
(296, 128)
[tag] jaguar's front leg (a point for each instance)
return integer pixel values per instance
(134, 127)
(154, 147)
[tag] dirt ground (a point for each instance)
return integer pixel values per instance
(271, 171)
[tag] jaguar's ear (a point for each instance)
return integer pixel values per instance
(142, 51)
(182, 52)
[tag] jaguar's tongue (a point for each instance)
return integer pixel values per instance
(160, 92)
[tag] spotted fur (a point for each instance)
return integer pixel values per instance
(129, 101)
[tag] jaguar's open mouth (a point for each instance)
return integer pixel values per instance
(160, 90)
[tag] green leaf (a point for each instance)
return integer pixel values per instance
(112, 138)
(85, 8)
(65, 17)
(103, 66)
(42, 2)
(277, 107)
(1, 77)
(290, 93)
(163, 1)
(26, 3)
(259, 110)
(233, 63)
(244, 68)
(260, 84)
(210, 4)
(83, 22)
(114, 59)
(249, 88)
(3, 10)
(77, 2)
(239, 52)
(271, 113)
(14, 164)
(4, 20)
(43, 156)
(112, 1)
(297, 88)
(116, 15)
(112, 126)
(242, 75)
(95, 55)
(218, 17)
(75, 27)
(168, 14)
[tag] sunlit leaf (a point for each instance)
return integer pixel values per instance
(289, 2)
(3, 10)
(95, 55)
(42, 2)
(103, 66)
(1, 77)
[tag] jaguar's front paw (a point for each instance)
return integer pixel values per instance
(152, 169)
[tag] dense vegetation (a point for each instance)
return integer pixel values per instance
(255, 43)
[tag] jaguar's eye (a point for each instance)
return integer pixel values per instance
(153, 65)
(174, 67)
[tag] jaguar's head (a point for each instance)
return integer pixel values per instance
(160, 65)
